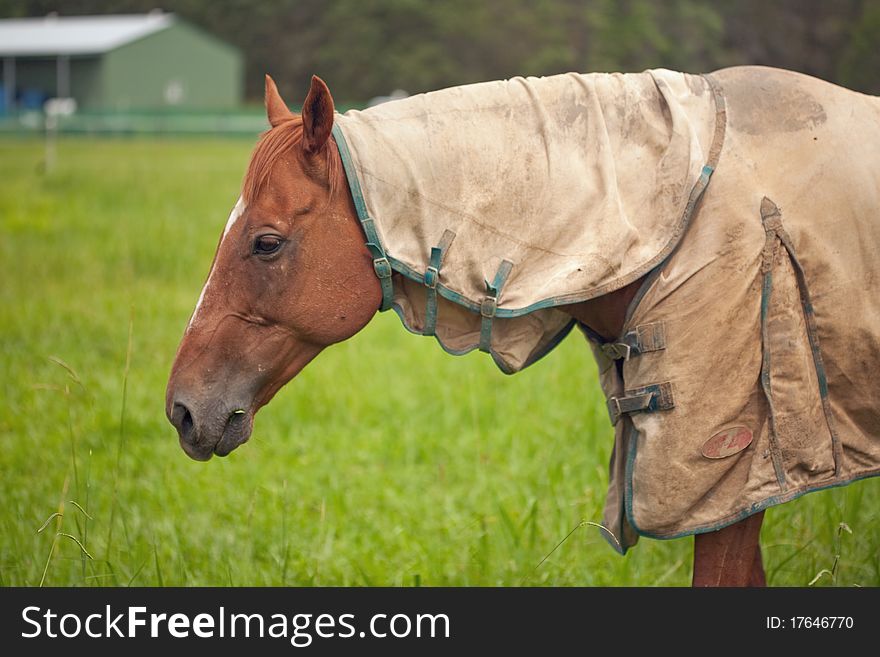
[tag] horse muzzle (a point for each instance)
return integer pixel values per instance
(206, 431)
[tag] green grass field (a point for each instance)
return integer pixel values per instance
(387, 462)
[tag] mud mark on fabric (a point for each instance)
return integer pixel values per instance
(696, 84)
(795, 430)
(731, 252)
(574, 113)
(770, 105)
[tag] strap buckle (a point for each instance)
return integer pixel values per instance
(488, 307)
(432, 274)
(648, 399)
(382, 267)
(432, 279)
(617, 350)
(640, 340)
(614, 410)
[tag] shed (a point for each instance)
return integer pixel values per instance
(117, 62)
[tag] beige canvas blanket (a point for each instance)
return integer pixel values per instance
(579, 181)
(745, 374)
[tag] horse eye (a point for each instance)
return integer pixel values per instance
(267, 244)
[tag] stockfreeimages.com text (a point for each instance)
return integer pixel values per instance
(300, 629)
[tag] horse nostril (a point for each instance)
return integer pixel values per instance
(187, 423)
(182, 419)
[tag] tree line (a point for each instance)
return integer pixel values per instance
(365, 48)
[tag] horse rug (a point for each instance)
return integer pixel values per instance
(744, 373)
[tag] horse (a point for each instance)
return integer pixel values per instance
(743, 263)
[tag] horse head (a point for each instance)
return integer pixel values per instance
(291, 275)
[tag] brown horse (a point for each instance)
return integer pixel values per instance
(292, 275)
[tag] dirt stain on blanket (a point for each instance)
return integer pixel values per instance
(769, 104)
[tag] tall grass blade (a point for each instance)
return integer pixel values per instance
(121, 437)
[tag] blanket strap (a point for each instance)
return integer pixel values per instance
(655, 397)
(772, 220)
(381, 264)
(490, 304)
(641, 339)
(432, 277)
(720, 125)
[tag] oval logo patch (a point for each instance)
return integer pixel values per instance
(727, 442)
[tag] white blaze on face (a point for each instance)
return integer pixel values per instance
(237, 211)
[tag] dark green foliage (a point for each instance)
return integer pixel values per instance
(365, 48)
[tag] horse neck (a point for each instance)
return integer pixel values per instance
(606, 315)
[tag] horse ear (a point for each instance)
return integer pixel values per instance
(276, 109)
(317, 116)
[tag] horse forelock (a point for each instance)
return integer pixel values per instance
(273, 144)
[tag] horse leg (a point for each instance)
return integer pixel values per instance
(758, 578)
(730, 556)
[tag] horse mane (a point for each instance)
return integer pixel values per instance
(272, 145)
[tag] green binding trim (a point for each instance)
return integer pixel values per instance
(381, 264)
(432, 276)
(489, 307)
(628, 485)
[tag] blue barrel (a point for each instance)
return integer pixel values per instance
(33, 99)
